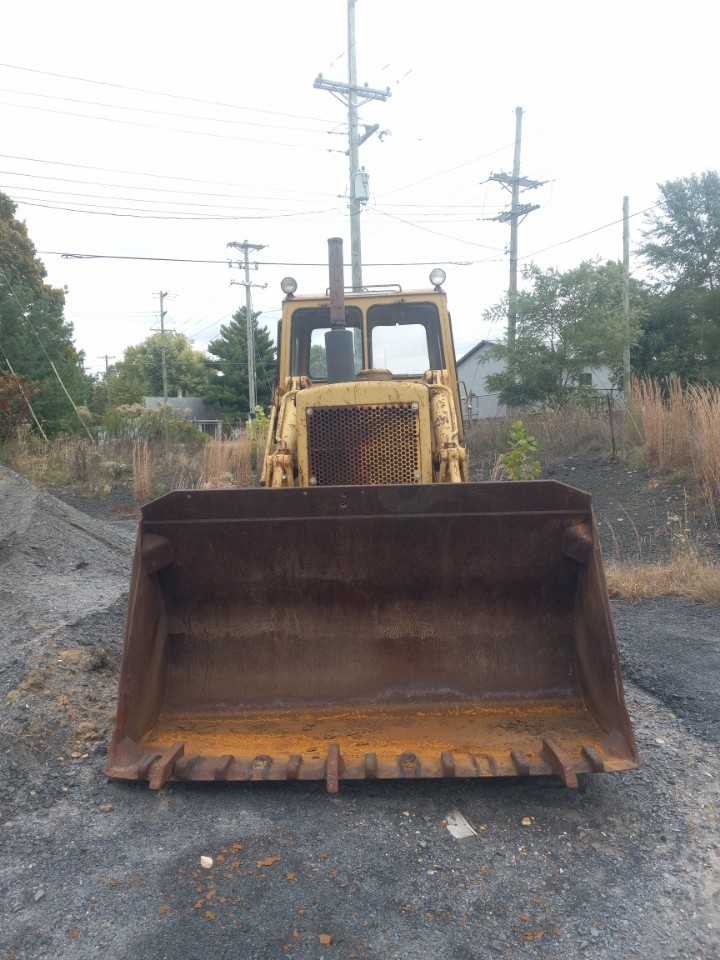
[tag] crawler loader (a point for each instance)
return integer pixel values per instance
(368, 612)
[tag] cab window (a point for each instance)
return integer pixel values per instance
(309, 326)
(405, 338)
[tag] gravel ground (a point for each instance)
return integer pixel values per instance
(628, 866)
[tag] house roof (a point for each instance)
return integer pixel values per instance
(189, 408)
(473, 350)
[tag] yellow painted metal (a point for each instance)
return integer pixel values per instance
(361, 393)
(441, 450)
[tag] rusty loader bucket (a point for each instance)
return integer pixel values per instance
(369, 632)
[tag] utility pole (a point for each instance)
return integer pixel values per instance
(249, 325)
(514, 216)
(163, 358)
(107, 358)
(627, 372)
(354, 97)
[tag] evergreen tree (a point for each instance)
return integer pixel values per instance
(228, 388)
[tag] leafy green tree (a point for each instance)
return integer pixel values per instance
(228, 389)
(681, 332)
(683, 237)
(139, 373)
(568, 322)
(680, 336)
(33, 329)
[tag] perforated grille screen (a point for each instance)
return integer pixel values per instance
(372, 443)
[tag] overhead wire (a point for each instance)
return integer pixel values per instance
(158, 93)
(162, 127)
(153, 188)
(437, 233)
(166, 113)
(262, 263)
(117, 212)
(138, 173)
(182, 203)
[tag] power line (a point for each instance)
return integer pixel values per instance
(162, 216)
(440, 173)
(263, 263)
(137, 173)
(587, 233)
(165, 113)
(437, 233)
(158, 127)
(159, 93)
(153, 188)
(183, 203)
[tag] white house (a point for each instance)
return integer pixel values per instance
(474, 367)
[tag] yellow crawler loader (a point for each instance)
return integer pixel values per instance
(368, 613)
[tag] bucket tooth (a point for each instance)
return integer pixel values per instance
(447, 763)
(485, 765)
(409, 765)
(162, 769)
(596, 762)
(292, 770)
(560, 762)
(142, 767)
(260, 767)
(371, 766)
(521, 763)
(222, 767)
(332, 769)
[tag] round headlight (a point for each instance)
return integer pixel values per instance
(288, 285)
(437, 277)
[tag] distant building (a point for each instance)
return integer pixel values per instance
(479, 403)
(195, 409)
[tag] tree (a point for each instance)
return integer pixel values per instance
(680, 336)
(681, 333)
(139, 373)
(683, 237)
(228, 388)
(568, 322)
(33, 329)
(15, 395)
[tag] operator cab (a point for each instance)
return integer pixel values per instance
(400, 336)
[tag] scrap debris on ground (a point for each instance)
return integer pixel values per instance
(628, 866)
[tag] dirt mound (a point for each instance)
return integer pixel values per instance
(56, 564)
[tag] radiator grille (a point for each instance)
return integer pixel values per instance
(368, 444)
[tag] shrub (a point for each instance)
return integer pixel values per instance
(519, 462)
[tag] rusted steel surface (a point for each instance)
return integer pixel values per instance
(379, 632)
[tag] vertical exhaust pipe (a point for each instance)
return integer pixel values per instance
(338, 340)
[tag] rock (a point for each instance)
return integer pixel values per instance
(206, 862)
(105, 808)
(39, 894)
(326, 939)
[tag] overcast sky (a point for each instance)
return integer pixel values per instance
(618, 96)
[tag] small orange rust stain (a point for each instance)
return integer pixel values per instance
(533, 935)
(326, 939)
(267, 861)
(235, 847)
(291, 876)
(73, 933)
(210, 915)
(164, 908)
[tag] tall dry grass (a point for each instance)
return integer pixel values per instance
(659, 419)
(560, 432)
(142, 464)
(678, 428)
(227, 463)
